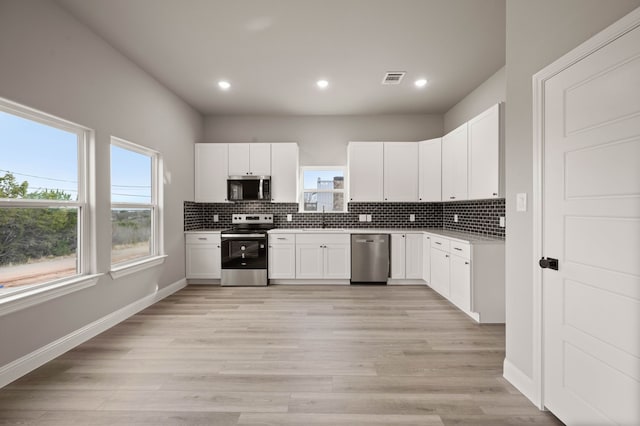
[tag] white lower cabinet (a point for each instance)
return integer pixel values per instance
(406, 256)
(203, 255)
(440, 271)
(323, 256)
(460, 282)
(470, 275)
(282, 256)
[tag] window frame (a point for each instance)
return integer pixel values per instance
(343, 169)
(86, 265)
(156, 255)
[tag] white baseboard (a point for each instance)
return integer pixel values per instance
(520, 381)
(39, 357)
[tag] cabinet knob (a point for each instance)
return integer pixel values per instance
(446, 255)
(495, 194)
(420, 199)
(386, 199)
(351, 199)
(452, 198)
(466, 263)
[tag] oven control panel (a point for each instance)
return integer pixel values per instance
(257, 218)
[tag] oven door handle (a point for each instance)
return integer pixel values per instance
(228, 236)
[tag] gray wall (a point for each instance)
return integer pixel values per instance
(53, 63)
(491, 92)
(322, 139)
(538, 32)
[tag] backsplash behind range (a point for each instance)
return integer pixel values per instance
(479, 216)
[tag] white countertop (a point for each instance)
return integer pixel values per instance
(455, 235)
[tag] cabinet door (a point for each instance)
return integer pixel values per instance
(430, 170)
(426, 258)
(398, 256)
(454, 164)
(211, 172)
(484, 154)
(260, 159)
(413, 256)
(203, 261)
(239, 159)
(366, 171)
(461, 282)
(440, 272)
(282, 261)
(337, 261)
(309, 261)
(400, 171)
(284, 174)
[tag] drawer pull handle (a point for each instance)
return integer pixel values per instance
(202, 238)
(438, 243)
(457, 248)
(282, 238)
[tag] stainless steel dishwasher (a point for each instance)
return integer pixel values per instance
(369, 258)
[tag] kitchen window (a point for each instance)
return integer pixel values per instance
(44, 212)
(323, 189)
(136, 231)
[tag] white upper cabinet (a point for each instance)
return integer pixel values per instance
(454, 164)
(211, 172)
(484, 154)
(400, 171)
(246, 159)
(284, 175)
(430, 170)
(366, 162)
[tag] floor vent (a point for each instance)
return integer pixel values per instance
(393, 77)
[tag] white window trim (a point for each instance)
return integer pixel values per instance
(343, 169)
(34, 294)
(157, 256)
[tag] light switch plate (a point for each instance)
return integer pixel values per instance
(521, 202)
(362, 218)
(412, 218)
(289, 218)
(216, 218)
(455, 217)
(502, 222)
(369, 218)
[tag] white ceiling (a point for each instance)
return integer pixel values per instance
(273, 51)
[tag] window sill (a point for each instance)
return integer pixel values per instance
(120, 271)
(36, 296)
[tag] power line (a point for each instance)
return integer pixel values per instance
(70, 181)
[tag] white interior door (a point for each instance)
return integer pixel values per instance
(591, 224)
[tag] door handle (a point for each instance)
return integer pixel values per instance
(549, 263)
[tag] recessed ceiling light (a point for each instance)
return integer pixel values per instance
(224, 85)
(420, 82)
(323, 84)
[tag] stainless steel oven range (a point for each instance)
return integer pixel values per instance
(244, 250)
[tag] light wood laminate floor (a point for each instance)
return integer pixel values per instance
(281, 355)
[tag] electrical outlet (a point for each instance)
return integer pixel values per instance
(216, 218)
(369, 218)
(362, 218)
(412, 218)
(502, 222)
(455, 218)
(289, 218)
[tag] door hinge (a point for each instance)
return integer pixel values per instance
(548, 262)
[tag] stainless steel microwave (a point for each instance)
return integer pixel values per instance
(249, 188)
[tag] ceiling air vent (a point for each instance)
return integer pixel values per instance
(393, 77)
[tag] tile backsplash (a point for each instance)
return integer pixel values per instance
(478, 216)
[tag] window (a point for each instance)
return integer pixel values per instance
(135, 207)
(43, 200)
(323, 189)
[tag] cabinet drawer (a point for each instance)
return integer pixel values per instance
(461, 249)
(282, 238)
(322, 239)
(202, 238)
(440, 243)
